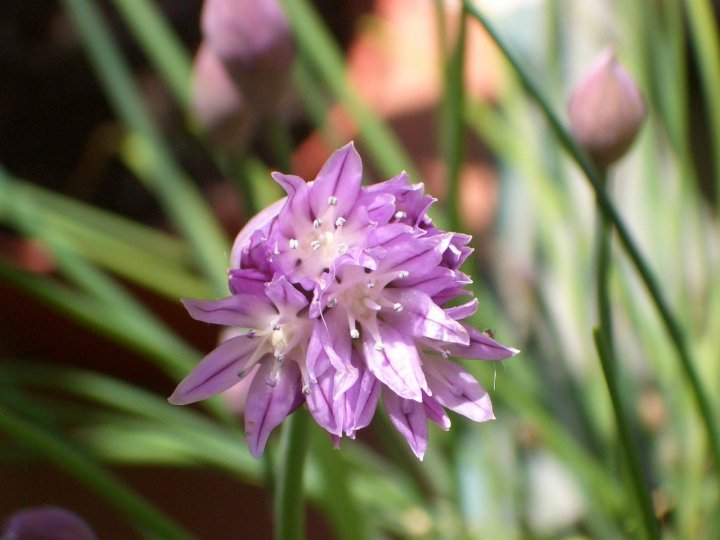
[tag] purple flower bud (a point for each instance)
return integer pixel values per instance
(606, 110)
(46, 523)
(252, 38)
(218, 103)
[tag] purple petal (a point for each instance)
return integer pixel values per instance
(284, 295)
(396, 363)
(217, 372)
(409, 199)
(463, 311)
(259, 221)
(456, 389)
(243, 310)
(269, 404)
(435, 412)
(413, 254)
(420, 316)
(457, 252)
(360, 400)
(249, 281)
(436, 281)
(409, 419)
(296, 209)
(324, 408)
(330, 343)
(481, 347)
(340, 177)
(387, 235)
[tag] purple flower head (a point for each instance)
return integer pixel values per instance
(46, 523)
(343, 292)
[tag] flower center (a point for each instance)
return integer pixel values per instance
(361, 294)
(317, 245)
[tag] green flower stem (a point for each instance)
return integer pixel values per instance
(606, 351)
(289, 508)
(675, 331)
(639, 485)
(72, 460)
(453, 125)
(604, 249)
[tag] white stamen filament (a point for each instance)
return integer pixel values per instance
(371, 304)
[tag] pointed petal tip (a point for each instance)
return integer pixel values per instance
(179, 399)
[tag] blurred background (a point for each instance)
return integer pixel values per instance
(135, 142)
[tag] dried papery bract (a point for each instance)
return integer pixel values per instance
(606, 110)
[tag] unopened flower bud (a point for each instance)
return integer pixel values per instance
(46, 523)
(253, 39)
(218, 103)
(606, 110)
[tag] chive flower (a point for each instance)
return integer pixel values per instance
(348, 295)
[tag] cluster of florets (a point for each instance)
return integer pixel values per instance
(340, 290)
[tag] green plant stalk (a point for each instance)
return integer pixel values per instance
(70, 459)
(603, 337)
(637, 480)
(335, 496)
(289, 508)
(675, 331)
(453, 126)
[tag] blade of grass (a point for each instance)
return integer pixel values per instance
(706, 41)
(161, 44)
(100, 244)
(124, 230)
(144, 150)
